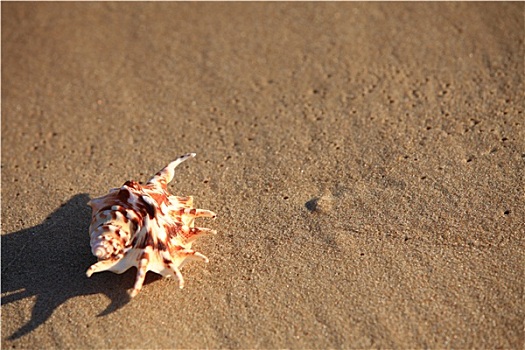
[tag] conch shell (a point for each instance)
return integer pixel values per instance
(146, 227)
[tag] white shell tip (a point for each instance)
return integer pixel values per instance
(99, 252)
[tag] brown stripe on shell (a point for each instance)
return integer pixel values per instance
(172, 230)
(123, 195)
(143, 242)
(132, 184)
(184, 200)
(160, 198)
(161, 246)
(145, 208)
(123, 216)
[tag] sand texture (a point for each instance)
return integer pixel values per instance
(366, 161)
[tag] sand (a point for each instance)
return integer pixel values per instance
(366, 161)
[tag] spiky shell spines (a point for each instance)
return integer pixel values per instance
(146, 227)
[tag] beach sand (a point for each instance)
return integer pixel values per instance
(366, 161)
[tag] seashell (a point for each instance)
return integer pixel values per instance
(146, 227)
